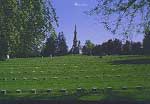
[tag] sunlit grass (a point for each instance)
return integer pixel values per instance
(72, 72)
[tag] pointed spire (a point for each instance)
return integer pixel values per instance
(75, 33)
(75, 48)
(75, 28)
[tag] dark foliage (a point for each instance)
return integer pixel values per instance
(55, 45)
(146, 43)
(62, 48)
(113, 47)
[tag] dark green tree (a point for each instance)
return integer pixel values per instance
(37, 19)
(136, 48)
(97, 50)
(50, 46)
(24, 25)
(146, 42)
(87, 48)
(108, 47)
(126, 48)
(62, 48)
(117, 45)
(8, 33)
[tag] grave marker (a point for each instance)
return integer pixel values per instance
(33, 91)
(14, 79)
(109, 88)
(4, 92)
(18, 91)
(94, 89)
(24, 78)
(54, 77)
(124, 88)
(49, 90)
(51, 56)
(87, 77)
(19, 72)
(37, 67)
(63, 91)
(79, 90)
(139, 87)
(25, 72)
(11, 72)
(8, 57)
(5, 79)
(75, 66)
(35, 78)
(112, 69)
(118, 75)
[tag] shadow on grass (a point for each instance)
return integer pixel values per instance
(132, 61)
(109, 98)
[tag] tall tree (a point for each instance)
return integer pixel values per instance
(123, 16)
(88, 47)
(62, 48)
(126, 48)
(108, 47)
(8, 11)
(24, 24)
(136, 48)
(117, 45)
(37, 19)
(97, 50)
(146, 42)
(51, 45)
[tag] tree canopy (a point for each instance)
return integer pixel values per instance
(24, 25)
(123, 17)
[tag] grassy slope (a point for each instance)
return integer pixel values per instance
(71, 72)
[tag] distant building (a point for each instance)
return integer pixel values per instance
(76, 49)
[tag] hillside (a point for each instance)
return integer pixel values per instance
(82, 77)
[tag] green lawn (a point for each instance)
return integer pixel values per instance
(72, 72)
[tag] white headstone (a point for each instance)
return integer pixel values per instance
(49, 90)
(94, 89)
(35, 78)
(8, 57)
(24, 78)
(33, 91)
(3, 92)
(18, 91)
(51, 56)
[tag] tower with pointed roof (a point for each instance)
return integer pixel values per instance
(76, 44)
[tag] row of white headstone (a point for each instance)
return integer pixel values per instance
(8, 56)
(79, 90)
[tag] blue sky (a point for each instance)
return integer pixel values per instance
(71, 12)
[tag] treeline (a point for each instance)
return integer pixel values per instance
(117, 47)
(27, 29)
(112, 47)
(55, 45)
(24, 25)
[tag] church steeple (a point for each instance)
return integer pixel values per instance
(75, 33)
(75, 37)
(75, 46)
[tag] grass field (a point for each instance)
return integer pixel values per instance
(110, 77)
